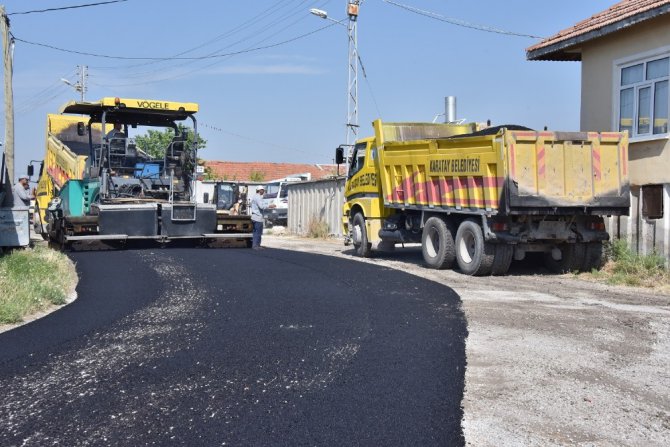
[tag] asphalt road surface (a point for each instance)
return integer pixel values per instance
(237, 347)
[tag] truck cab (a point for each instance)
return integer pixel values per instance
(362, 194)
(276, 193)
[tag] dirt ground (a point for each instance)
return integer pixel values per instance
(552, 359)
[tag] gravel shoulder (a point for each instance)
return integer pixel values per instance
(552, 359)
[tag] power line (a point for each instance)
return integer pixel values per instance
(212, 56)
(66, 7)
(257, 18)
(199, 69)
(459, 22)
(252, 33)
(367, 81)
(255, 140)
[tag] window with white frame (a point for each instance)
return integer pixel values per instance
(644, 97)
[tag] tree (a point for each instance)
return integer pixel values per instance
(256, 176)
(155, 142)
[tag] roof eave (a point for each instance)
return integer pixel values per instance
(555, 52)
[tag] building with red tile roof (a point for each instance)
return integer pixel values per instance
(266, 171)
(625, 87)
(563, 46)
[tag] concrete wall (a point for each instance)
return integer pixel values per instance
(644, 236)
(320, 199)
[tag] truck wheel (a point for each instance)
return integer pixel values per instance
(572, 258)
(594, 257)
(360, 236)
(502, 259)
(474, 255)
(437, 244)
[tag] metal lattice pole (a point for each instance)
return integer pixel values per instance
(352, 94)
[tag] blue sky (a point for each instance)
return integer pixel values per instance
(289, 103)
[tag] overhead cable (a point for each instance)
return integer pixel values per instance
(244, 25)
(177, 64)
(212, 56)
(66, 7)
(459, 22)
(255, 140)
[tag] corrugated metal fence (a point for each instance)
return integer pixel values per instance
(315, 201)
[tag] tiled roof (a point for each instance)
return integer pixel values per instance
(244, 171)
(618, 16)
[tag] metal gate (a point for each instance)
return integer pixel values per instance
(316, 201)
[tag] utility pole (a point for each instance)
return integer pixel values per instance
(352, 95)
(82, 70)
(80, 85)
(7, 46)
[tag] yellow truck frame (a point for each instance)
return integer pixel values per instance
(479, 198)
(62, 161)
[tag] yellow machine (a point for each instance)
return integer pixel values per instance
(480, 198)
(97, 184)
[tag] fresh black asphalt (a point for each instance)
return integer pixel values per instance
(209, 347)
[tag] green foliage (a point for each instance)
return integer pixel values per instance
(630, 268)
(256, 176)
(317, 228)
(155, 142)
(34, 280)
(209, 174)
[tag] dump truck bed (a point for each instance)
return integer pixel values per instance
(502, 171)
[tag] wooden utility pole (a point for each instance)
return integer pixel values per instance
(9, 95)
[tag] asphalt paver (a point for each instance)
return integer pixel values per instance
(237, 347)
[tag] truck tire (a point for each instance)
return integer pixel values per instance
(437, 244)
(502, 259)
(359, 234)
(571, 260)
(474, 255)
(594, 256)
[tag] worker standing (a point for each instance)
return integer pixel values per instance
(21, 192)
(257, 208)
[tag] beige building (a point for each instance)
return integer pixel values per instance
(625, 57)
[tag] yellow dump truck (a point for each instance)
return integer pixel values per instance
(67, 150)
(480, 198)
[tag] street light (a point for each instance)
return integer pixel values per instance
(319, 13)
(80, 85)
(352, 84)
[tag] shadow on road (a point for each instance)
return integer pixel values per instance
(531, 265)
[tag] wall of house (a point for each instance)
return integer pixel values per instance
(649, 160)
